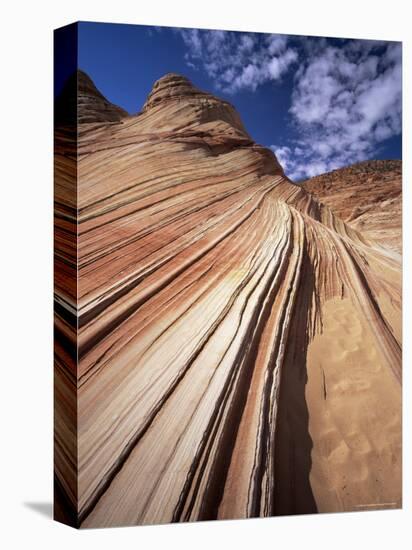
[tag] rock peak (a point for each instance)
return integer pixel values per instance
(81, 101)
(86, 84)
(184, 104)
(171, 77)
(172, 86)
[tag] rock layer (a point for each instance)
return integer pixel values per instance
(238, 343)
(368, 196)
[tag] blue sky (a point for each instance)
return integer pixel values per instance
(318, 103)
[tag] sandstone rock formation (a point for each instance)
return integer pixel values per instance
(238, 343)
(80, 100)
(368, 195)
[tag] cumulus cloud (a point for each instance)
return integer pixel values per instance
(238, 61)
(284, 155)
(295, 168)
(346, 100)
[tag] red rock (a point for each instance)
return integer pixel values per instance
(368, 196)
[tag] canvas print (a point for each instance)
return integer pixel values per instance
(228, 258)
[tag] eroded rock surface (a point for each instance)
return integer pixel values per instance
(239, 344)
(368, 196)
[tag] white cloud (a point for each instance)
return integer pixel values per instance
(238, 61)
(284, 155)
(346, 100)
(193, 40)
(293, 168)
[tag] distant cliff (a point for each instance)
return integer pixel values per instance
(368, 196)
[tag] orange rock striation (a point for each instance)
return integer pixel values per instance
(238, 344)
